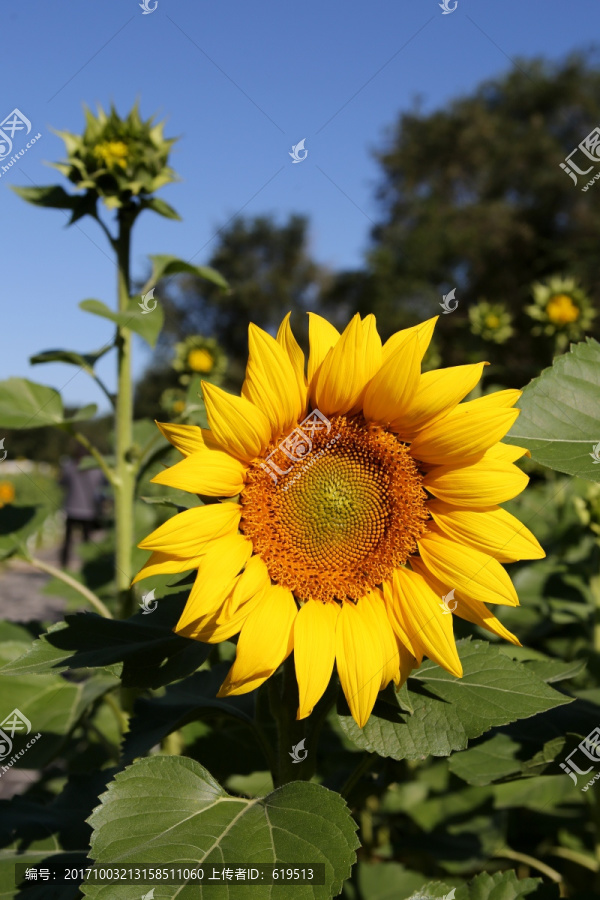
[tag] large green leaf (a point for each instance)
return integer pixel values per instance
(167, 810)
(560, 414)
(448, 711)
(17, 523)
(52, 705)
(387, 881)
(26, 404)
(52, 196)
(163, 265)
(151, 654)
(136, 317)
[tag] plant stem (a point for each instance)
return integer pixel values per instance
(290, 731)
(124, 482)
(110, 475)
(95, 601)
(355, 776)
(531, 861)
(575, 856)
(121, 717)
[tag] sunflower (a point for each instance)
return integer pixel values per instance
(354, 496)
(562, 308)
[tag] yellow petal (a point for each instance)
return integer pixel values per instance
(165, 564)
(428, 627)
(285, 337)
(348, 367)
(226, 621)
(211, 473)
(493, 531)
(468, 571)
(186, 438)
(389, 644)
(265, 641)
(396, 613)
(271, 382)
(462, 435)
(485, 483)
(314, 652)
(407, 664)
(322, 336)
(393, 387)
(497, 399)
(215, 579)
(184, 535)
(437, 394)
(506, 452)
(423, 332)
(359, 657)
(466, 608)
(236, 424)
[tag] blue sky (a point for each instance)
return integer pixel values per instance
(239, 84)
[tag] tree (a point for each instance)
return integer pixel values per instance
(270, 272)
(473, 197)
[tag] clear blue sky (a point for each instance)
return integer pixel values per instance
(239, 83)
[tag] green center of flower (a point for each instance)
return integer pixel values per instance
(334, 522)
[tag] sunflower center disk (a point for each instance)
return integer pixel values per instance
(342, 518)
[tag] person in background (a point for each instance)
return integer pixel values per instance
(83, 500)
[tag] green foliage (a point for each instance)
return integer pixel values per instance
(442, 713)
(296, 824)
(560, 414)
(25, 404)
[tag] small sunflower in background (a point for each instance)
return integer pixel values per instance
(172, 401)
(7, 493)
(354, 494)
(562, 308)
(491, 321)
(198, 355)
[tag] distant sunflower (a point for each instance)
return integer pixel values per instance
(341, 548)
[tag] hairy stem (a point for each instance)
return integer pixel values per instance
(95, 601)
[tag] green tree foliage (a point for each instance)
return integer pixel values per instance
(270, 272)
(473, 197)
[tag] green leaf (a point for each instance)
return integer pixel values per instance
(387, 881)
(85, 361)
(52, 196)
(448, 711)
(26, 404)
(17, 523)
(146, 324)
(151, 654)
(164, 209)
(163, 265)
(169, 810)
(156, 717)
(52, 704)
(560, 414)
(499, 886)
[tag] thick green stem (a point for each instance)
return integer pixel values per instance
(95, 601)
(290, 731)
(124, 469)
